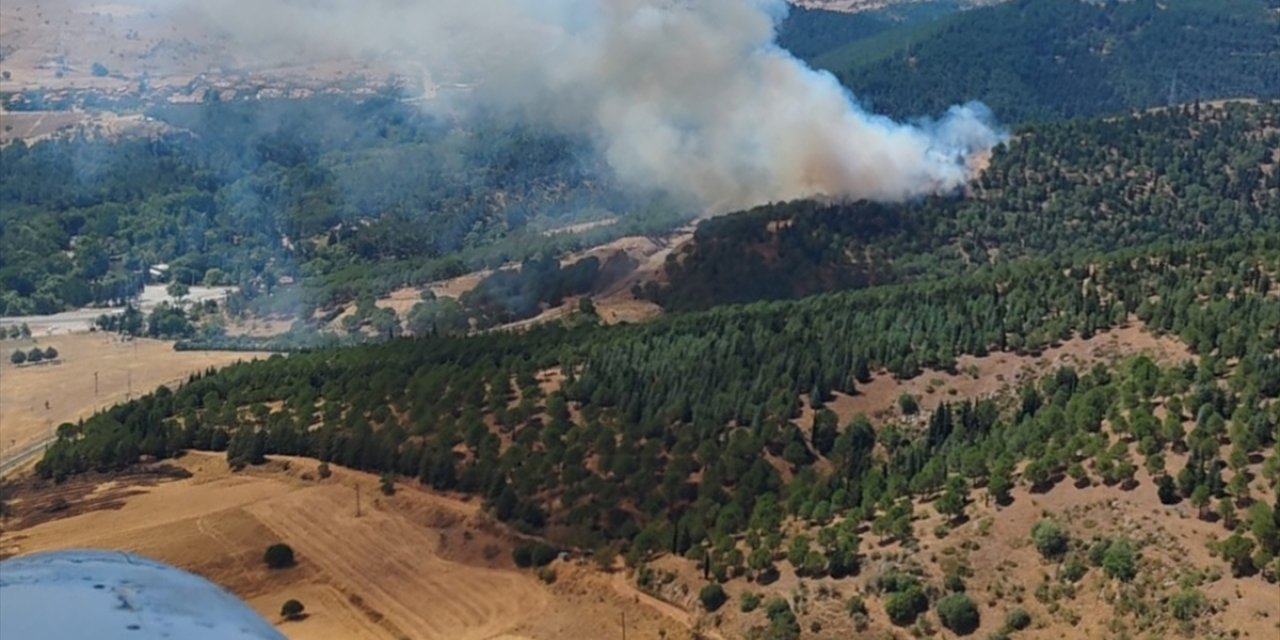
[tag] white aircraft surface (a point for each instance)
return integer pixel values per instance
(117, 596)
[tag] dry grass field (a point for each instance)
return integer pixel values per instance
(34, 400)
(412, 565)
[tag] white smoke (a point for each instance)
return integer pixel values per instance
(690, 96)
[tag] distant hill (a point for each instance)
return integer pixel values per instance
(812, 33)
(864, 6)
(1051, 59)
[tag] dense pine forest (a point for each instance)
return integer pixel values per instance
(1068, 188)
(1051, 59)
(677, 432)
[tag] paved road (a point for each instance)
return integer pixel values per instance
(27, 454)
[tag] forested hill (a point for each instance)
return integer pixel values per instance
(669, 434)
(1053, 59)
(347, 195)
(1072, 187)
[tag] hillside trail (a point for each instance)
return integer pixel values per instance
(623, 587)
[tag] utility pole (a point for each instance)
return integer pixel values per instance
(95, 384)
(357, 501)
(624, 625)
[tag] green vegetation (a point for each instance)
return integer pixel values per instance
(534, 554)
(712, 596)
(1050, 538)
(1054, 59)
(714, 394)
(279, 556)
(684, 435)
(1063, 189)
(292, 610)
(349, 197)
(958, 613)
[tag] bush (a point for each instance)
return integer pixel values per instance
(279, 556)
(905, 606)
(1017, 619)
(387, 484)
(534, 554)
(50, 353)
(1050, 538)
(958, 613)
(1187, 604)
(324, 471)
(712, 596)
(1120, 561)
(750, 602)
(292, 610)
(36, 354)
(908, 404)
(856, 606)
(547, 575)
(100, 70)
(18, 357)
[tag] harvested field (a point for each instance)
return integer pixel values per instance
(34, 400)
(412, 565)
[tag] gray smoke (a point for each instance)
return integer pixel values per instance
(689, 96)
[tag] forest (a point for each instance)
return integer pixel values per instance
(663, 436)
(1043, 60)
(248, 193)
(1070, 188)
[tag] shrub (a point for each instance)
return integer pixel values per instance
(279, 556)
(1050, 538)
(36, 354)
(323, 470)
(1120, 561)
(292, 610)
(50, 353)
(533, 554)
(750, 602)
(908, 404)
(856, 606)
(1187, 604)
(905, 606)
(18, 357)
(547, 575)
(1073, 569)
(1017, 619)
(958, 613)
(712, 596)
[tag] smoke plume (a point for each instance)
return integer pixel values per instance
(692, 97)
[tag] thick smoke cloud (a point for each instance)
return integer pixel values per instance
(689, 96)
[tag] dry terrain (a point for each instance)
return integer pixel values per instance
(34, 400)
(994, 543)
(412, 565)
(1000, 373)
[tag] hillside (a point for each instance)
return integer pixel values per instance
(251, 194)
(656, 439)
(1053, 59)
(1068, 188)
